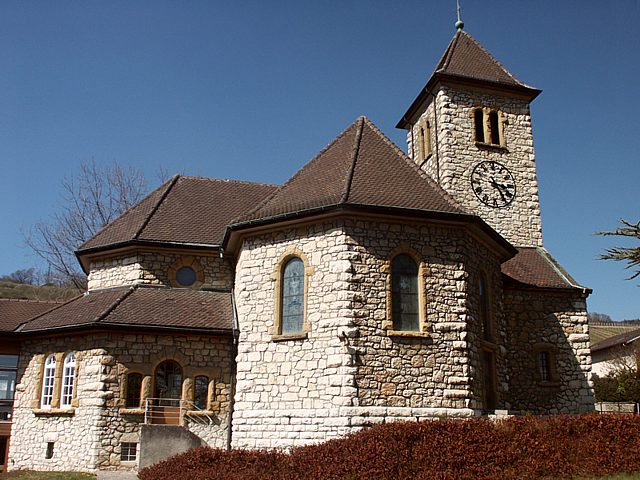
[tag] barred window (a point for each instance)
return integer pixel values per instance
(128, 451)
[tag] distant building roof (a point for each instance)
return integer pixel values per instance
(13, 311)
(619, 340)
(140, 307)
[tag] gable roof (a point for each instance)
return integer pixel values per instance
(465, 60)
(14, 311)
(620, 340)
(139, 307)
(535, 267)
(361, 167)
(184, 210)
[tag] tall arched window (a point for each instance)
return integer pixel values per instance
(134, 384)
(292, 297)
(68, 377)
(404, 293)
(168, 380)
(48, 379)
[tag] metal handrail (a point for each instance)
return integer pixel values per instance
(184, 408)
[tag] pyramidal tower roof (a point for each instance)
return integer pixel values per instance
(466, 61)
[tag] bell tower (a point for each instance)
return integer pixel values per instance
(470, 130)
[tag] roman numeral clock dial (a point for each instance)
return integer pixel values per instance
(493, 184)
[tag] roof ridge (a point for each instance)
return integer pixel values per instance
(448, 53)
(114, 304)
(414, 166)
(294, 176)
(226, 180)
(29, 300)
(145, 222)
(354, 158)
(558, 268)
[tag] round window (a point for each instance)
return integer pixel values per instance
(186, 276)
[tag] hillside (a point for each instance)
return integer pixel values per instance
(9, 289)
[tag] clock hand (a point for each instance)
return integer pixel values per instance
(498, 187)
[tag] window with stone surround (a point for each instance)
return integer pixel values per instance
(291, 277)
(487, 127)
(200, 391)
(424, 141)
(546, 368)
(68, 379)
(134, 386)
(186, 272)
(484, 312)
(406, 303)
(404, 294)
(128, 451)
(48, 381)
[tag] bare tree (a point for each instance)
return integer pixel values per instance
(93, 197)
(631, 255)
(27, 276)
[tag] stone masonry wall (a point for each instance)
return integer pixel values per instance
(152, 268)
(88, 436)
(554, 322)
(288, 392)
(457, 154)
(347, 373)
(440, 371)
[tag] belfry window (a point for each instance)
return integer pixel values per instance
(487, 127)
(405, 308)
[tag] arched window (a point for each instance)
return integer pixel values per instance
(201, 391)
(68, 377)
(292, 297)
(48, 379)
(168, 380)
(134, 385)
(404, 293)
(483, 308)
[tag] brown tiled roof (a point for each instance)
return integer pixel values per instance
(360, 167)
(136, 307)
(535, 267)
(13, 312)
(617, 340)
(466, 60)
(184, 210)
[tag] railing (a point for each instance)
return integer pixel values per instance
(174, 411)
(618, 407)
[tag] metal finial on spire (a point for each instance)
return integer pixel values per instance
(459, 23)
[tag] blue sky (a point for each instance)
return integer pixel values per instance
(254, 89)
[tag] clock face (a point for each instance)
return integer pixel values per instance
(493, 184)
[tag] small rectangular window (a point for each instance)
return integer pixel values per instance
(478, 120)
(128, 451)
(49, 452)
(544, 363)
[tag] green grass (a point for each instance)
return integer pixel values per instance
(46, 476)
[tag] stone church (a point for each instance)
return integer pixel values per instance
(372, 286)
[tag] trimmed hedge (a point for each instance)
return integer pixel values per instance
(517, 448)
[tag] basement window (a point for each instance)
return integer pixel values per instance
(128, 451)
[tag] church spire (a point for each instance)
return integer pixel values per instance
(459, 23)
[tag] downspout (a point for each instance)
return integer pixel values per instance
(232, 357)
